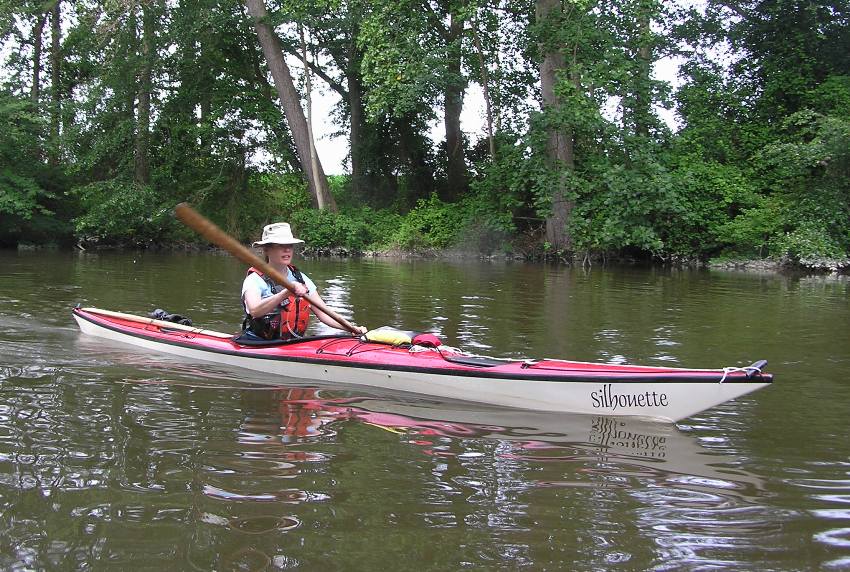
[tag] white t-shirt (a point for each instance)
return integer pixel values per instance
(255, 282)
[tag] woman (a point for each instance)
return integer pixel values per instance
(271, 311)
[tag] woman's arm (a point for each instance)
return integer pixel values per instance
(259, 307)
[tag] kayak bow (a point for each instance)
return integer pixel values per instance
(662, 393)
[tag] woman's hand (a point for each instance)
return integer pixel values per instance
(300, 290)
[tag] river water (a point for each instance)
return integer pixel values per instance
(113, 458)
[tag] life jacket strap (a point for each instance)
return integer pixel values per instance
(292, 317)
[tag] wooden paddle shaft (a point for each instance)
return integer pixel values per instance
(214, 234)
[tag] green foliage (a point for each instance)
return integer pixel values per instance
(812, 245)
(326, 230)
(119, 212)
(381, 226)
(402, 62)
(33, 205)
(799, 208)
(21, 194)
(809, 170)
(788, 47)
(286, 194)
(501, 193)
(759, 167)
(432, 224)
(714, 112)
(777, 115)
(703, 196)
(618, 207)
(831, 97)
(749, 233)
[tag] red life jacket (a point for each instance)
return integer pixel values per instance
(289, 322)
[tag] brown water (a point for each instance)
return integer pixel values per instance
(114, 458)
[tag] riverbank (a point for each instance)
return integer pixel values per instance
(762, 265)
(766, 265)
(820, 266)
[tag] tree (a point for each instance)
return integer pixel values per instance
(456, 172)
(23, 196)
(291, 103)
(37, 39)
(334, 30)
(55, 81)
(769, 100)
(116, 110)
(143, 117)
(560, 142)
(636, 49)
(485, 86)
(409, 67)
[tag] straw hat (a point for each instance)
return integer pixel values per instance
(277, 233)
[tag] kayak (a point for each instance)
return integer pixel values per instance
(554, 385)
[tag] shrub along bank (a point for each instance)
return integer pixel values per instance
(697, 232)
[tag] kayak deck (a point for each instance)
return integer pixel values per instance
(354, 352)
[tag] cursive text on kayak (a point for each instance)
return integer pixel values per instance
(606, 398)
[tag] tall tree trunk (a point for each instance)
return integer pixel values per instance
(143, 118)
(205, 76)
(237, 186)
(642, 111)
(412, 153)
(290, 101)
(357, 116)
(358, 119)
(560, 141)
(55, 81)
(456, 175)
(308, 88)
(283, 135)
(485, 88)
(127, 67)
(37, 36)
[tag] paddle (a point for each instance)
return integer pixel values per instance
(214, 234)
(159, 323)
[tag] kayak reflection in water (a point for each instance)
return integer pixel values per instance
(593, 446)
(271, 311)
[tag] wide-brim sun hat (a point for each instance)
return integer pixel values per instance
(277, 233)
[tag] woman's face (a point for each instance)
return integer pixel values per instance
(280, 254)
